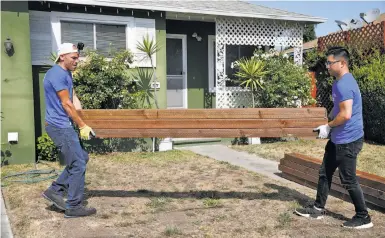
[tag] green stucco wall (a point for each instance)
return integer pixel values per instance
(16, 84)
(197, 60)
(161, 69)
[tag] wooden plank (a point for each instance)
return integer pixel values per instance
(336, 180)
(368, 198)
(233, 113)
(203, 133)
(370, 180)
(204, 123)
(110, 114)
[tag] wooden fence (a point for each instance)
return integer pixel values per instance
(372, 35)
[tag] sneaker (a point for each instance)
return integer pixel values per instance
(311, 212)
(55, 199)
(359, 223)
(81, 211)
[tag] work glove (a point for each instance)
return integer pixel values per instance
(323, 131)
(86, 132)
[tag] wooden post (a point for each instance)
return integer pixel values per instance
(313, 86)
(320, 43)
(383, 33)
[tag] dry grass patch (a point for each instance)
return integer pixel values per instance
(371, 154)
(176, 194)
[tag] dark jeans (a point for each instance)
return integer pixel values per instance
(343, 157)
(71, 180)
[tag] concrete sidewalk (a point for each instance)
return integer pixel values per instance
(248, 161)
(6, 231)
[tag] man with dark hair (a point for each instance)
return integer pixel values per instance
(61, 105)
(345, 143)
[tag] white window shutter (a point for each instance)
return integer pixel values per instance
(41, 39)
(142, 28)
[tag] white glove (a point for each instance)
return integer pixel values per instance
(323, 131)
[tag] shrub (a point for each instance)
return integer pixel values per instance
(105, 84)
(371, 79)
(286, 84)
(46, 149)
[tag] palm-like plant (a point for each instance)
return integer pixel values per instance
(251, 73)
(143, 78)
(149, 47)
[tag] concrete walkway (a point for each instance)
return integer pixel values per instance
(248, 161)
(6, 231)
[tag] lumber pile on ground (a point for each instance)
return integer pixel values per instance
(304, 170)
(198, 123)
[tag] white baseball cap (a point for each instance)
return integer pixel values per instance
(66, 48)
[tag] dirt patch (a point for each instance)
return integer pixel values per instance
(371, 154)
(177, 194)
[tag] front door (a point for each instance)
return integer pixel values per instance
(176, 71)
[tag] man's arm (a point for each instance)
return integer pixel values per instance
(69, 107)
(344, 115)
(76, 101)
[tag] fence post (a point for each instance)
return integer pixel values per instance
(313, 86)
(383, 34)
(320, 44)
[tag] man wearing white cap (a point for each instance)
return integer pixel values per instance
(59, 115)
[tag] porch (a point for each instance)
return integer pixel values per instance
(201, 51)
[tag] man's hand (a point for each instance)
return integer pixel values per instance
(85, 132)
(324, 131)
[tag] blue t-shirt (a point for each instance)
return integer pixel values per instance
(344, 89)
(57, 79)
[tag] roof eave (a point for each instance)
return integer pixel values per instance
(310, 20)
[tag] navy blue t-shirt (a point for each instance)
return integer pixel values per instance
(57, 79)
(344, 89)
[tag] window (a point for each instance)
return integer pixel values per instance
(234, 53)
(102, 37)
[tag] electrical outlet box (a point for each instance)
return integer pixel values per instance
(155, 85)
(13, 137)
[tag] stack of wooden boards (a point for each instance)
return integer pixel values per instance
(304, 170)
(214, 123)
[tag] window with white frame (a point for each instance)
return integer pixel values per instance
(104, 38)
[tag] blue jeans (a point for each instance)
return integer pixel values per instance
(71, 180)
(343, 157)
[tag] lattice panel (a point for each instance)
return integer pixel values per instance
(298, 55)
(241, 31)
(234, 98)
(369, 36)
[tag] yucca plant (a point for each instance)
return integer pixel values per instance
(150, 47)
(143, 79)
(251, 74)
